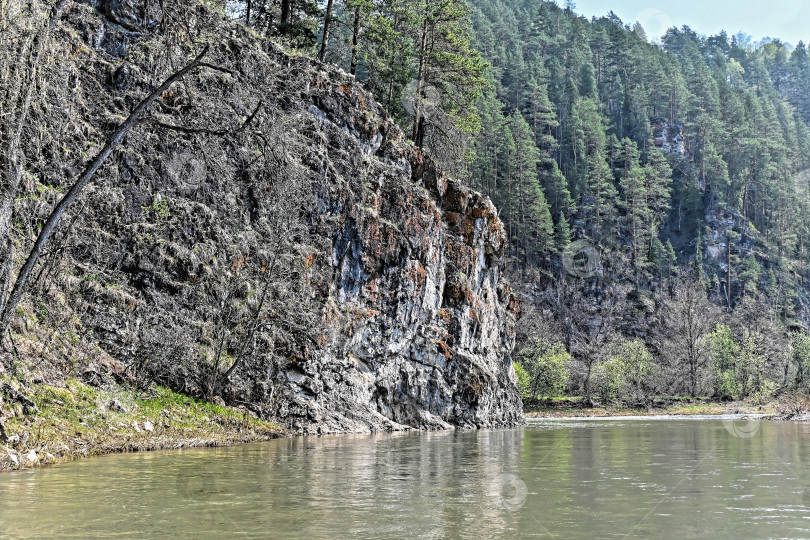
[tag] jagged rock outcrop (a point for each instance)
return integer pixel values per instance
(427, 321)
(411, 322)
(668, 137)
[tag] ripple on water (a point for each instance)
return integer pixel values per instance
(558, 478)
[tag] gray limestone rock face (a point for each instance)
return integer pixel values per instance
(668, 137)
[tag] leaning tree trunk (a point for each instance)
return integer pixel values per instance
(355, 40)
(327, 21)
(284, 24)
(418, 118)
(113, 141)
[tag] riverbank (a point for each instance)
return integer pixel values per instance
(51, 424)
(572, 407)
(48, 424)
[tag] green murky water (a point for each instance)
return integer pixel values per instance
(649, 478)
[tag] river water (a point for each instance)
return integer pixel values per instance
(637, 478)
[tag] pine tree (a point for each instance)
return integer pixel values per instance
(562, 233)
(633, 201)
(384, 50)
(593, 176)
(530, 211)
(487, 164)
(297, 22)
(449, 72)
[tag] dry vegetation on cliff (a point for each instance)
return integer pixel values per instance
(265, 236)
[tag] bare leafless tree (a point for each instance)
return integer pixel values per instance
(591, 323)
(688, 318)
(265, 296)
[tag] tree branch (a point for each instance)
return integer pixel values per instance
(205, 131)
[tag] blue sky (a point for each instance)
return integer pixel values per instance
(788, 20)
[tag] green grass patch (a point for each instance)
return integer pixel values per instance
(77, 420)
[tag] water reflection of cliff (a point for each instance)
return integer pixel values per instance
(435, 484)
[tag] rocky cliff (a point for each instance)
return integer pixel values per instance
(267, 236)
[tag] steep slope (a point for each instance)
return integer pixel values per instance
(267, 236)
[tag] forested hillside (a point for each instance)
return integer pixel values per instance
(655, 194)
(677, 170)
(601, 105)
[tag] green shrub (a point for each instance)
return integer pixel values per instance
(638, 368)
(751, 368)
(725, 355)
(800, 342)
(765, 392)
(629, 372)
(739, 368)
(726, 385)
(608, 379)
(548, 367)
(523, 381)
